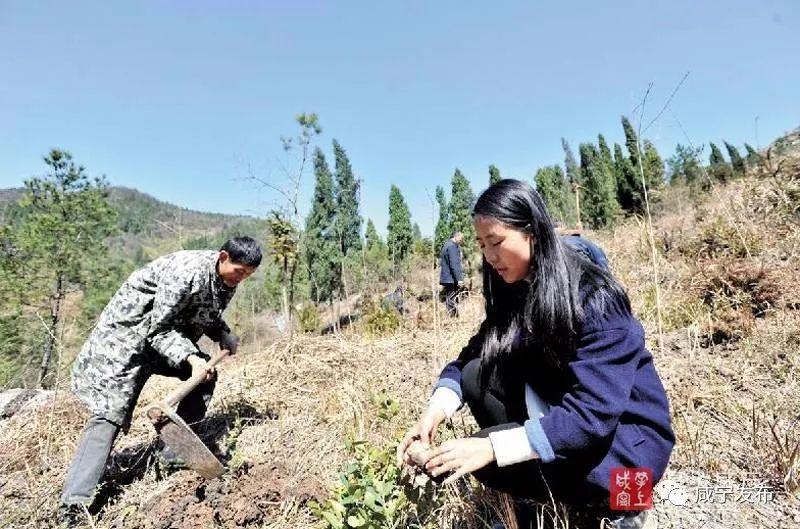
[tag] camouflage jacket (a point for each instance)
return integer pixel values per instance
(155, 318)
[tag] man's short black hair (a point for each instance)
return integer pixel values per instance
(456, 232)
(243, 250)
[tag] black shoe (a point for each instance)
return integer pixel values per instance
(71, 516)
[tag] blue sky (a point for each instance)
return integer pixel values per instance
(178, 99)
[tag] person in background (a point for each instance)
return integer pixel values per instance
(558, 375)
(451, 275)
(584, 246)
(151, 326)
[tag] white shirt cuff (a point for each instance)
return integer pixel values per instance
(511, 446)
(445, 399)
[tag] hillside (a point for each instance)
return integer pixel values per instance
(145, 221)
(307, 423)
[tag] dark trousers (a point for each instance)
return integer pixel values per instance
(501, 406)
(91, 454)
(451, 291)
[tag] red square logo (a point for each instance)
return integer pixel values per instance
(631, 489)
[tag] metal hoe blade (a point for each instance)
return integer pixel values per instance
(185, 443)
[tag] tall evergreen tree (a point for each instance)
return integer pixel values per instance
(631, 142)
(494, 174)
(400, 237)
(61, 238)
(443, 225)
(461, 202)
(371, 236)
(737, 162)
(653, 167)
(376, 255)
(718, 168)
(573, 171)
(628, 182)
(551, 185)
(416, 233)
(685, 166)
(348, 220)
(322, 249)
(604, 151)
(753, 157)
(600, 194)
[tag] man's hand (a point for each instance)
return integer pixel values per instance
(424, 430)
(230, 342)
(460, 456)
(199, 365)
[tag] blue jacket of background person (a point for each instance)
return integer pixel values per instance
(608, 407)
(450, 271)
(590, 250)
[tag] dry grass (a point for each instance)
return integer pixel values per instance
(283, 408)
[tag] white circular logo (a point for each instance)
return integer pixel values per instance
(673, 492)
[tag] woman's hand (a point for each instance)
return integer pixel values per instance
(424, 430)
(460, 456)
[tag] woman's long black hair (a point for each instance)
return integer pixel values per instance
(546, 308)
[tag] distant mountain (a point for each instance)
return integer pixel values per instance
(151, 224)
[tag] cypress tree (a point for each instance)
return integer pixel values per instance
(631, 142)
(737, 162)
(604, 151)
(371, 236)
(322, 250)
(573, 171)
(600, 194)
(628, 184)
(400, 237)
(653, 167)
(551, 185)
(461, 202)
(753, 157)
(443, 227)
(494, 174)
(348, 220)
(718, 168)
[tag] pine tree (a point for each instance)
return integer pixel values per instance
(573, 171)
(348, 220)
(551, 184)
(400, 237)
(322, 249)
(600, 195)
(737, 162)
(684, 165)
(494, 174)
(461, 202)
(443, 225)
(416, 233)
(61, 238)
(631, 142)
(653, 167)
(718, 168)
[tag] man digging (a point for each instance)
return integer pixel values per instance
(151, 326)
